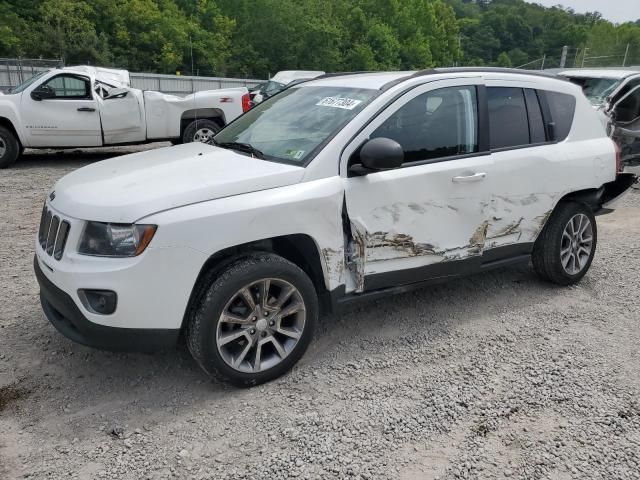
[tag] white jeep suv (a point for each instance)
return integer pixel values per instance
(341, 188)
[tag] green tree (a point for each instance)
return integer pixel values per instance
(504, 60)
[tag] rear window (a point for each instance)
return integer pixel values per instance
(563, 108)
(508, 119)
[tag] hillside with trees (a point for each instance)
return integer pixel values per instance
(258, 37)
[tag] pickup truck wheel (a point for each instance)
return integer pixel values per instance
(200, 131)
(9, 148)
(565, 249)
(254, 321)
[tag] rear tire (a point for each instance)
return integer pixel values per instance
(567, 244)
(245, 336)
(200, 131)
(10, 148)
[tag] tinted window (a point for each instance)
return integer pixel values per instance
(67, 86)
(626, 89)
(562, 108)
(628, 109)
(536, 122)
(436, 124)
(508, 121)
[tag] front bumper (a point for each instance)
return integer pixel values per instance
(66, 317)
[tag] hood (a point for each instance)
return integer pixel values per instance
(127, 188)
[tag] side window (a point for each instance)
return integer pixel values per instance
(627, 110)
(508, 118)
(626, 89)
(70, 86)
(440, 123)
(563, 108)
(536, 121)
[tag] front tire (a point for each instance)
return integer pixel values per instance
(200, 131)
(565, 249)
(254, 321)
(10, 148)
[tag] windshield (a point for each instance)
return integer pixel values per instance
(290, 126)
(596, 89)
(26, 83)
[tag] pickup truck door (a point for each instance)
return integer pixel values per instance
(69, 119)
(122, 116)
(427, 218)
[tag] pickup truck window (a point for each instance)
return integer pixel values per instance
(70, 86)
(290, 126)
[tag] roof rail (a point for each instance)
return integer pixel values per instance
(435, 71)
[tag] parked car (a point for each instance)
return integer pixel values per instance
(95, 107)
(280, 81)
(615, 93)
(337, 190)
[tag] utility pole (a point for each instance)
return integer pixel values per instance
(626, 54)
(563, 57)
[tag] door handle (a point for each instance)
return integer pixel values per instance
(86, 109)
(476, 177)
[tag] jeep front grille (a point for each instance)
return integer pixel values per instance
(53, 233)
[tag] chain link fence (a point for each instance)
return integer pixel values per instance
(14, 71)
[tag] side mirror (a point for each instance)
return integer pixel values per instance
(43, 92)
(378, 154)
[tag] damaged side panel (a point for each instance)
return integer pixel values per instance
(409, 221)
(517, 218)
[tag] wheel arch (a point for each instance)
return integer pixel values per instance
(213, 114)
(590, 196)
(300, 249)
(7, 123)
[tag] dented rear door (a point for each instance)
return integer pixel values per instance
(428, 218)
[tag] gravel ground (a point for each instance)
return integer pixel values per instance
(495, 376)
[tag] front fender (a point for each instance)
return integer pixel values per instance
(310, 208)
(10, 114)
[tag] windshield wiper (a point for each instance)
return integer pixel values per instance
(242, 147)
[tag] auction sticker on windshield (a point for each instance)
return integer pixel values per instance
(339, 102)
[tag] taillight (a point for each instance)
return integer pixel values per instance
(619, 165)
(246, 102)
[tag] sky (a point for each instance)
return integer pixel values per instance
(617, 11)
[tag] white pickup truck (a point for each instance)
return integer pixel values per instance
(95, 107)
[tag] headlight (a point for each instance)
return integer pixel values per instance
(115, 239)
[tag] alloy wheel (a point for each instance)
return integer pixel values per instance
(576, 244)
(203, 135)
(3, 147)
(261, 325)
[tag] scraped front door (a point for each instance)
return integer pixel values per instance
(427, 218)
